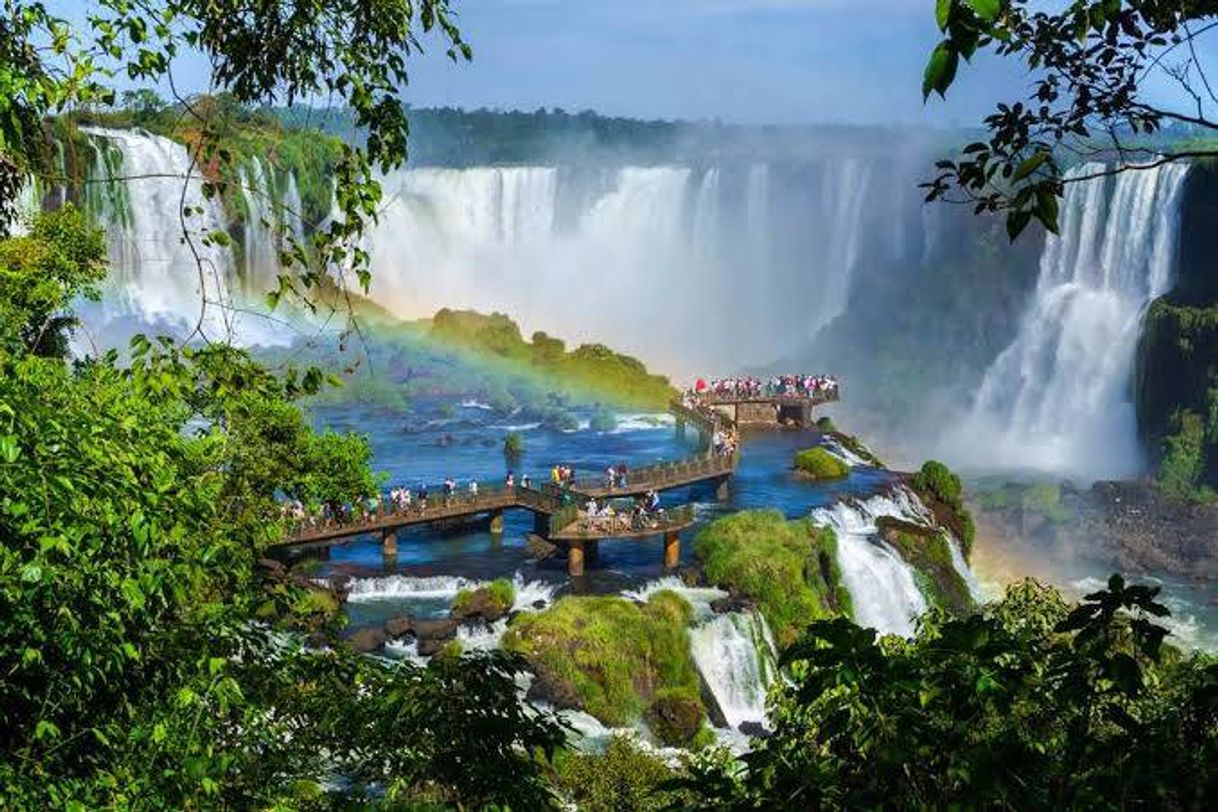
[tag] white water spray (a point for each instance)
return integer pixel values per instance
(1058, 398)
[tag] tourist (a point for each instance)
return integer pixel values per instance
(610, 477)
(473, 488)
(450, 487)
(509, 482)
(555, 476)
(422, 498)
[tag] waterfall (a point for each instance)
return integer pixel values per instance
(260, 243)
(843, 196)
(882, 585)
(160, 268)
(736, 656)
(1057, 399)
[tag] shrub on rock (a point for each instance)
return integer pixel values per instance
(818, 464)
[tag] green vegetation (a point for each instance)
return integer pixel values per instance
(144, 656)
(926, 550)
(590, 370)
(617, 660)
(623, 777)
(498, 597)
(942, 492)
(788, 567)
(462, 354)
(825, 425)
(513, 444)
(60, 260)
(818, 464)
(1029, 704)
(1177, 387)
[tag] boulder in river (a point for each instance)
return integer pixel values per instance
(398, 627)
(367, 640)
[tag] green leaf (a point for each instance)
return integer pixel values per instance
(943, 9)
(1017, 221)
(986, 9)
(1030, 165)
(940, 70)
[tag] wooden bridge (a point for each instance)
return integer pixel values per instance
(557, 511)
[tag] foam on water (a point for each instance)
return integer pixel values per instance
(882, 586)
(736, 655)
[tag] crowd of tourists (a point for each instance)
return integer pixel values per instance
(774, 386)
(642, 513)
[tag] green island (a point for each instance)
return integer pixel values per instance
(817, 464)
(461, 352)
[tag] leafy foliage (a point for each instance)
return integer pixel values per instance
(623, 777)
(144, 663)
(1028, 704)
(942, 491)
(1091, 64)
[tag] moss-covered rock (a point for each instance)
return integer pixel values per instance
(489, 602)
(676, 717)
(789, 568)
(941, 491)
(611, 657)
(926, 550)
(818, 464)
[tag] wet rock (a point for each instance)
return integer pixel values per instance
(539, 604)
(430, 648)
(754, 729)
(274, 569)
(398, 627)
(548, 687)
(675, 720)
(732, 603)
(367, 640)
(441, 630)
(480, 605)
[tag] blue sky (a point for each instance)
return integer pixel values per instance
(751, 61)
(743, 61)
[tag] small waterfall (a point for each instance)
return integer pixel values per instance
(699, 598)
(882, 585)
(159, 266)
(399, 587)
(1057, 398)
(736, 656)
(260, 242)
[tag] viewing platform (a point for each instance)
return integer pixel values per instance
(558, 511)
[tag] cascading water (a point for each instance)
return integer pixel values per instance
(167, 268)
(736, 656)
(636, 257)
(882, 586)
(1057, 399)
(160, 268)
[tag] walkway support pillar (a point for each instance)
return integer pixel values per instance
(592, 550)
(389, 543)
(541, 525)
(497, 521)
(723, 490)
(575, 558)
(672, 550)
